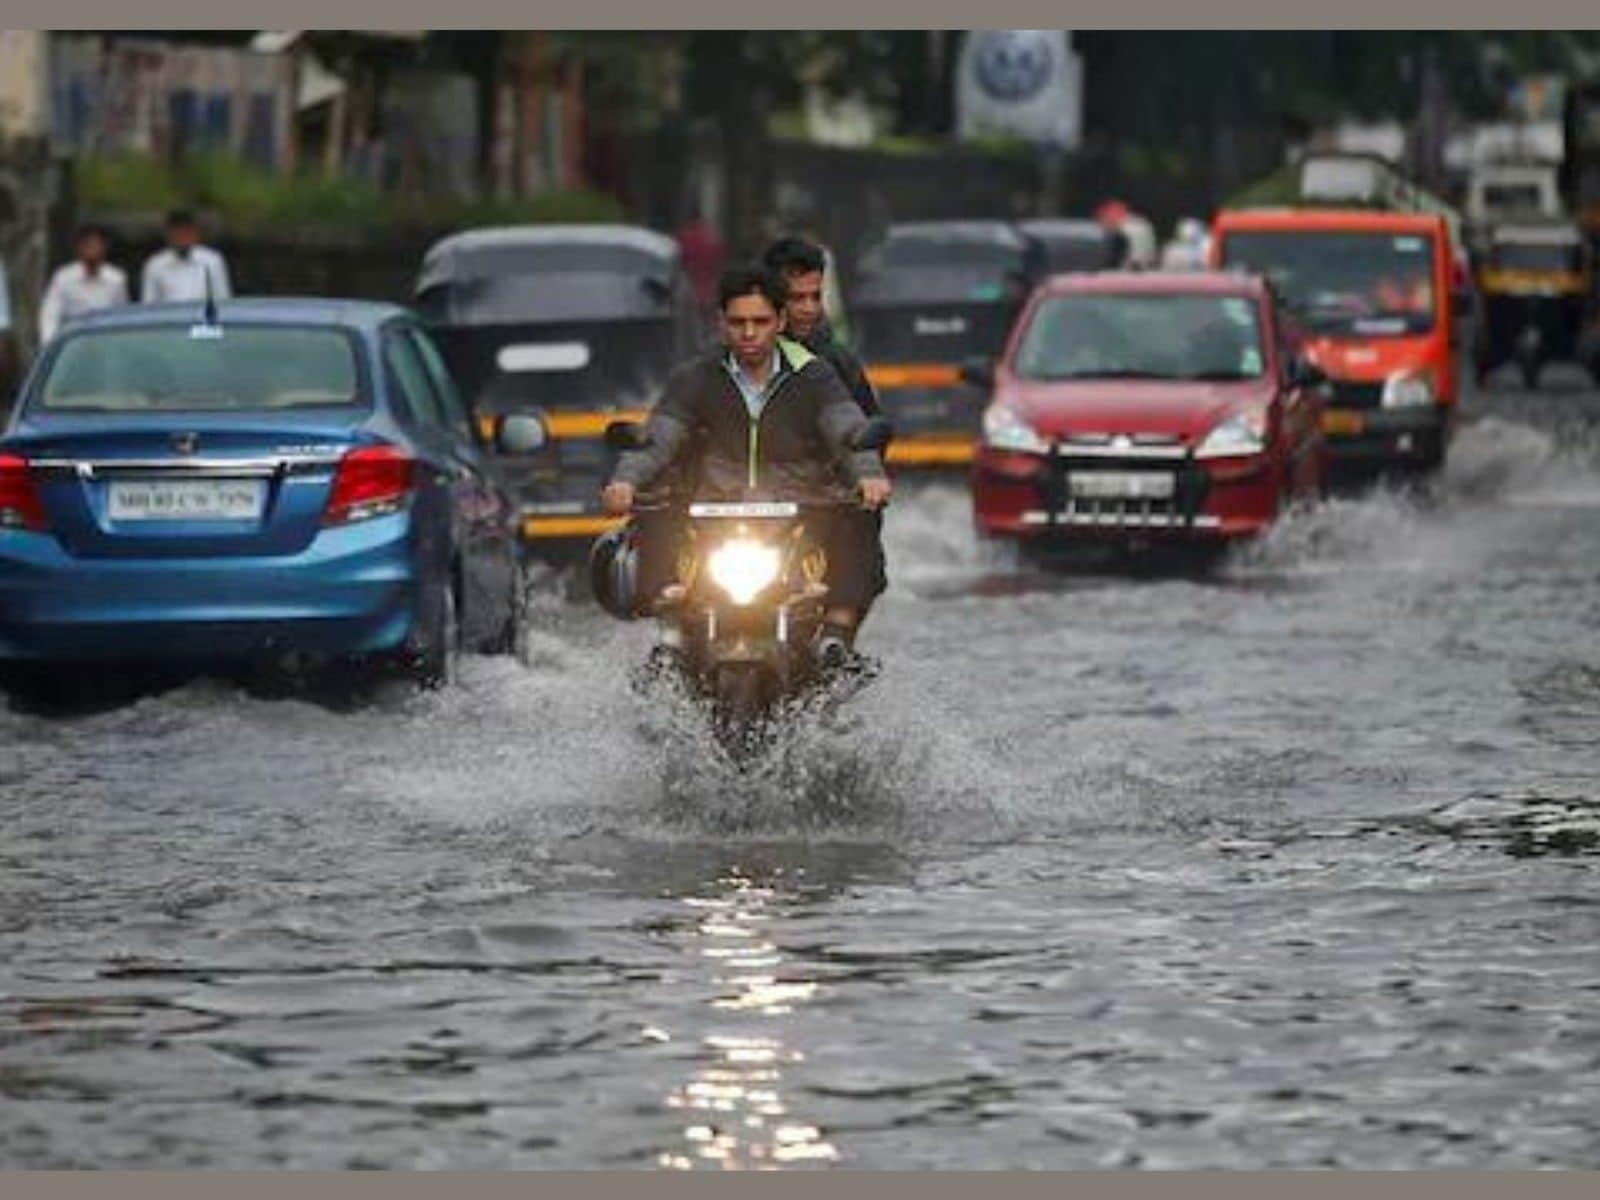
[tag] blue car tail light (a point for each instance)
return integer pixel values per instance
(372, 481)
(20, 505)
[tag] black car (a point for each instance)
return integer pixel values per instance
(1076, 244)
(931, 297)
(577, 324)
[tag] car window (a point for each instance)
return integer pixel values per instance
(1336, 281)
(950, 254)
(178, 369)
(1148, 335)
(444, 384)
(411, 380)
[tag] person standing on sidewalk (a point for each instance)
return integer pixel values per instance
(87, 283)
(178, 273)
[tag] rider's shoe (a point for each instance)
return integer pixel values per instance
(831, 651)
(834, 651)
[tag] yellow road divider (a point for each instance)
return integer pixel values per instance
(945, 450)
(573, 526)
(914, 375)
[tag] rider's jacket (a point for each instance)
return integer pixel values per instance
(797, 449)
(826, 345)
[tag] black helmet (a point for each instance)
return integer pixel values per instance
(614, 572)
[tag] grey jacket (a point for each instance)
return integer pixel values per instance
(798, 449)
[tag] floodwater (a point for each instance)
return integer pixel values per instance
(1292, 864)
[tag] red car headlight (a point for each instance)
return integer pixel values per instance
(1238, 436)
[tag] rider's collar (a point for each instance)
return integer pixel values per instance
(738, 372)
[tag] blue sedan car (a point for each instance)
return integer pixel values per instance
(261, 479)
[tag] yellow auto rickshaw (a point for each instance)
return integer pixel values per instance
(1536, 284)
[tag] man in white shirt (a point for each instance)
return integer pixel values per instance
(179, 272)
(82, 286)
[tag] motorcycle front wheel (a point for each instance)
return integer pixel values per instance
(740, 709)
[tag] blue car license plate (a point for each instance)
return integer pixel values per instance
(186, 499)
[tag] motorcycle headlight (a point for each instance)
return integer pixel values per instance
(1004, 429)
(743, 568)
(1407, 391)
(1235, 437)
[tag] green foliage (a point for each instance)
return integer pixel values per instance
(581, 207)
(249, 200)
(247, 197)
(1282, 187)
(909, 145)
(790, 123)
(1000, 144)
(126, 182)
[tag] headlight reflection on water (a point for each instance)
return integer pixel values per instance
(735, 1104)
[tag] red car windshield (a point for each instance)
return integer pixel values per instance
(1142, 336)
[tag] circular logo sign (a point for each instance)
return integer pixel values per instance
(1013, 65)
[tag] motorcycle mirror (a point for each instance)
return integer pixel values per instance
(519, 434)
(876, 434)
(626, 435)
(978, 371)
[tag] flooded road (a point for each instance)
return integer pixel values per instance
(1297, 864)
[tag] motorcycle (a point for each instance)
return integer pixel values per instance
(739, 625)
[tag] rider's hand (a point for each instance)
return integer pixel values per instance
(875, 492)
(617, 498)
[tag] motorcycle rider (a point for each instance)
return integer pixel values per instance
(802, 265)
(761, 413)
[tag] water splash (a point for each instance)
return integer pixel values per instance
(928, 536)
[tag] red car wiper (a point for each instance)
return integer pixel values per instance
(1112, 374)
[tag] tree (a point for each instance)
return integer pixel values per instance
(733, 82)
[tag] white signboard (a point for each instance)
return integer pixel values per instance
(1024, 83)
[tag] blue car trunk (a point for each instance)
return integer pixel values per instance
(192, 485)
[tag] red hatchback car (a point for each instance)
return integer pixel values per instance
(1146, 408)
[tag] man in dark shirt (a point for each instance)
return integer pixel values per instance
(761, 414)
(801, 265)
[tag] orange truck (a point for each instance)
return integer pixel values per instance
(1370, 301)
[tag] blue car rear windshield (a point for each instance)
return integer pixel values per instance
(176, 369)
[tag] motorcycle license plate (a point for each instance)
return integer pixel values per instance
(1340, 421)
(752, 510)
(187, 500)
(1122, 485)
